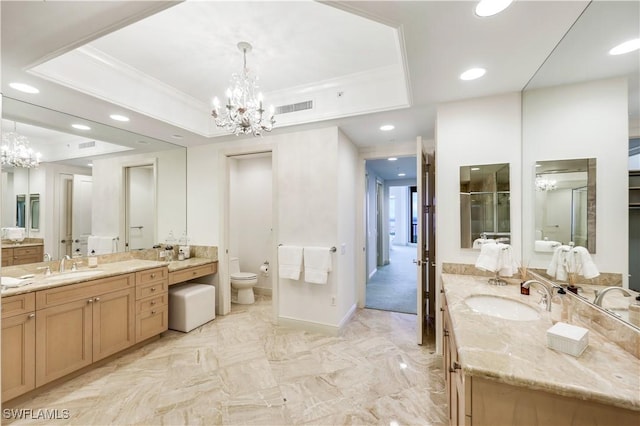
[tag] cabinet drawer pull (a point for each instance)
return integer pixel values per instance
(194, 272)
(153, 302)
(153, 289)
(90, 301)
(153, 275)
(446, 333)
(97, 299)
(153, 312)
(31, 316)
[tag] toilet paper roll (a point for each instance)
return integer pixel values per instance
(264, 268)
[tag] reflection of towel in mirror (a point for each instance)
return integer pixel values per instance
(508, 265)
(583, 264)
(479, 242)
(558, 266)
(100, 245)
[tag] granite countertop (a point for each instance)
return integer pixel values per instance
(516, 352)
(103, 270)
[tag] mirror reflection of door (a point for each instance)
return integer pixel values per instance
(74, 216)
(140, 207)
(21, 211)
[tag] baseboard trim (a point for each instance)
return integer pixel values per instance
(373, 272)
(265, 291)
(347, 317)
(317, 327)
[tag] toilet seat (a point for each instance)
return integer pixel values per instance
(243, 276)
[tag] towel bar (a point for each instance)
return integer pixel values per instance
(331, 249)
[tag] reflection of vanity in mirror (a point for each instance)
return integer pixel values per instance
(485, 213)
(583, 103)
(565, 204)
(81, 187)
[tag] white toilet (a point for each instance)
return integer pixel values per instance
(242, 281)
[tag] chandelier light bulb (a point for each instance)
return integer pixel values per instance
(17, 152)
(243, 112)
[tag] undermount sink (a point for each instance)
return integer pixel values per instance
(73, 275)
(501, 307)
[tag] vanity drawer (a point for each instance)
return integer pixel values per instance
(152, 275)
(151, 323)
(86, 290)
(151, 289)
(27, 251)
(152, 302)
(18, 304)
(191, 273)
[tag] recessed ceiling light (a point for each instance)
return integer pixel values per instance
(119, 117)
(626, 47)
(81, 126)
(392, 159)
(538, 165)
(472, 74)
(402, 174)
(475, 169)
(90, 164)
(387, 127)
(491, 7)
(24, 88)
(176, 136)
(141, 142)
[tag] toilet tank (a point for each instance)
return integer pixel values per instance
(234, 265)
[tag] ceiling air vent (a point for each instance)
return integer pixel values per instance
(300, 106)
(84, 145)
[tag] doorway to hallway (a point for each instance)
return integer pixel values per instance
(393, 286)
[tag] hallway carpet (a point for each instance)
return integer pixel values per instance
(393, 286)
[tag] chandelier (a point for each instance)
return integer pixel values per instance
(17, 152)
(544, 184)
(243, 112)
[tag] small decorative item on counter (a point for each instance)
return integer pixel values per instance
(92, 261)
(568, 338)
(524, 276)
(180, 255)
(634, 312)
(169, 253)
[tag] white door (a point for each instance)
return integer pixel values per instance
(65, 219)
(81, 227)
(140, 207)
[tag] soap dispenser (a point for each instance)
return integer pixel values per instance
(183, 245)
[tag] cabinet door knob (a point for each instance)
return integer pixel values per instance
(153, 289)
(153, 302)
(31, 316)
(446, 333)
(194, 272)
(455, 367)
(90, 301)
(153, 275)
(153, 312)
(97, 299)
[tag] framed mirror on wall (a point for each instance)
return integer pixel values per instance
(565, 204)
(485, 209)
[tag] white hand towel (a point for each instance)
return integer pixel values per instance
(317, 264)
(289, 262)
(479, 242)
(489, 258)
(557, 267)
(587, 268)
(508, 265)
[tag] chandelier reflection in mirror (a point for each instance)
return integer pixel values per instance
(544, 184)
(16, 150)
(243, 112)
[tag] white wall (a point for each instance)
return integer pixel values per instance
(307, 167)
(474, 132)
(108, 184)
(250, 221)
(587, 120)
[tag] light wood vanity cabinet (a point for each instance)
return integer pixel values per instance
(83, 323)
(187, 274)
(152, 307)
(18, 345)
(22, 255)
(482, 401)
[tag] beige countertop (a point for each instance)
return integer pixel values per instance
(18, 245)
(516, 352)
(103, 270)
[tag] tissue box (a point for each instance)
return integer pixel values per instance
(568, 338)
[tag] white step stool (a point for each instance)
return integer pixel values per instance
(191, 305)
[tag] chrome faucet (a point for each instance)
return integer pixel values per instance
(546, 296)
(600, 294)
(62, 259)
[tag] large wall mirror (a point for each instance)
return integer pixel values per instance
(82, 187)
(565, 204)
(485, 210)
(584, 103)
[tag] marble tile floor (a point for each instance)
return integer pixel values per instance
(240, 369)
